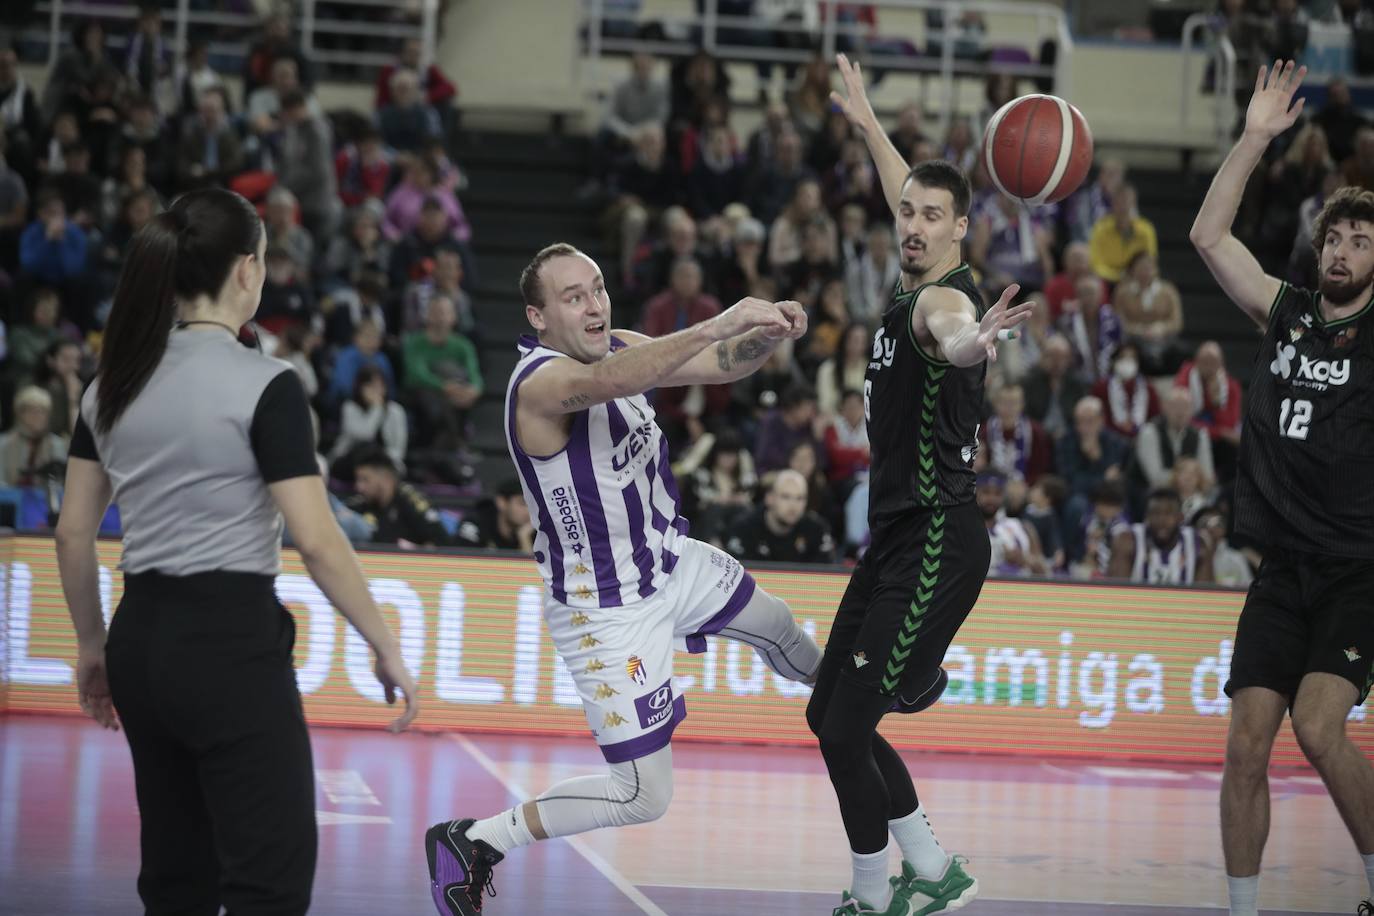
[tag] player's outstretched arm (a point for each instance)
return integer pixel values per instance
(733, 359)
(566, 385)
(1271, 112)
(892, 168)
(963, 339)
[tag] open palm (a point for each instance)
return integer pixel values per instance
(1271, 110)
(854, 101)
(1002, 317)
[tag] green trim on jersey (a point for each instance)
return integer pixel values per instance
(925, 440)
(911, 334)
(1317, 312)
(920, 603)
(1274, 306)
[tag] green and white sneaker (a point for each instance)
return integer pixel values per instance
(852, 906)
(954, 891)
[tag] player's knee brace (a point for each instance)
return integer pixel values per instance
(642, 790)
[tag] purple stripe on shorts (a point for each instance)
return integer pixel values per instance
(639, 542)
(545, 519)
(669, 562)
(645, 745)
(598, 535)
(696, 643)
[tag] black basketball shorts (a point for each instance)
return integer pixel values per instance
(908, 596)
(1306, 613)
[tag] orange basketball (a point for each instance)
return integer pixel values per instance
(1038, 149)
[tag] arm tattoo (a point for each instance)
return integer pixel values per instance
(723, 356)
(750, 349)
(576, 400)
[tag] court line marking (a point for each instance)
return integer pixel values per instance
(981, 896)
(608, 871)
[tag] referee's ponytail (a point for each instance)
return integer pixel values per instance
(184, 252)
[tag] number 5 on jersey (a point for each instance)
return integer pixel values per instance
(1294, 418)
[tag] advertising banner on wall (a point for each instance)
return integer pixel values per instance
(1039, 669)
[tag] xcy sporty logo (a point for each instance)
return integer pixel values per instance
(884, 349)
(1310, 373)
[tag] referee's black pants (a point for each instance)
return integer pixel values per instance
(202, 678)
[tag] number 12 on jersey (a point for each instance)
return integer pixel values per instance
(1295, 416)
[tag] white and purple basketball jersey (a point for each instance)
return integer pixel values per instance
(1152, 565)
(606, 508)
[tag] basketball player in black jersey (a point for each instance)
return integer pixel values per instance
(923, 397)
(1305, 641)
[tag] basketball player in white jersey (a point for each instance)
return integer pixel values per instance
(1162, 550)
(626, 585)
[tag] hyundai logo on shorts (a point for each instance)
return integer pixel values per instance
(655, 708)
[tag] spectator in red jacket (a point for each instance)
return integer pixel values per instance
(439, 89)
(1216, 403)
(682, 305)
(363, 168)
(1130, 398)
(1064, 285)
(846, 439)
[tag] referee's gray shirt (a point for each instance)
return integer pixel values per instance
(190, 459)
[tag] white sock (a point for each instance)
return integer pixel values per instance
(870, 879)
(1369, 871)
(503, 832)
(919, 846)
(1244, 895)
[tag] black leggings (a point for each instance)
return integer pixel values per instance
(871, 781)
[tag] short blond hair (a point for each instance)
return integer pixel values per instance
(32, 396)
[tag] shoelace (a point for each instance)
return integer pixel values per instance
(481, 881)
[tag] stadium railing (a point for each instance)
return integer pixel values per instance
(609, 29)
(1218, 52)
(310, 28)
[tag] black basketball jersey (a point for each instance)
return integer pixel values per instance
(1306, 475)
(923, 413)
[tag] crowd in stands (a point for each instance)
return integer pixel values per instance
(1108, 444)
(369, 256)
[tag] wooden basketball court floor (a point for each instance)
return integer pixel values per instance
(751, 830)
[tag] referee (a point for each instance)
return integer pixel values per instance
(205, 445)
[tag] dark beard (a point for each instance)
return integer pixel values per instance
(1339, 294)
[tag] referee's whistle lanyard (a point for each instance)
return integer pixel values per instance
(257, 341)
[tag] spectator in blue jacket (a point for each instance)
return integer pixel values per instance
(53, 248)
(365, 351)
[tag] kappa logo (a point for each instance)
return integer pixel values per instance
(1353, 654)
(594, 666)
(579, 619)
(612, 720)
(605, 692)
(860, 659)
(586, 642)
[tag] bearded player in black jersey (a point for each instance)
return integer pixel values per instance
(923, 398)
(1305, 641)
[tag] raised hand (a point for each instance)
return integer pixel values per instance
(796, 317)
(746, 315)
(1271, 110)
(854, 103)
(1002, 317)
